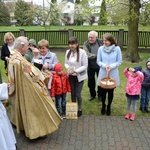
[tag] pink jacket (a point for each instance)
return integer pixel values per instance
(133, 86)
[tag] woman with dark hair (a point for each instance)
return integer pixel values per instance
(76, 63)
(109, 57)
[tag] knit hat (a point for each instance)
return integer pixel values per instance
(148, 63)
(32, 41)
(137, 68)
(58, 67)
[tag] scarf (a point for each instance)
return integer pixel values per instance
(109, 49)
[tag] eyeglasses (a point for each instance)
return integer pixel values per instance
(91, 37)
(9, 39)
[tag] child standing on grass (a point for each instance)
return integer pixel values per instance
(145, 91)
(133, 89)
(59, 87)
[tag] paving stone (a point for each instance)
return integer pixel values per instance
(84, 147)
(78, 145)
(116, 137)
(93, 133)
(111, 141)
(124, 142)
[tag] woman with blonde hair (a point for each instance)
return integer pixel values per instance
(9, 42)
(45, 60)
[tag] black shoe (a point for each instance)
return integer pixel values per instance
(16, 146)
(108, 111)
(79, 113)
(91, 98)
(143, 109)
(146, 110)
(13, 125)
(43, 137)
(103, 110)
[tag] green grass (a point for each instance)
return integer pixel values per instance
(119, 101)
(35, 28)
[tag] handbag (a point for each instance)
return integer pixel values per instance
(3, 91)
(82, 76)
(71, 110)
(107, 82)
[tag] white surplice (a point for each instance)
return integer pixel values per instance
(7, 137)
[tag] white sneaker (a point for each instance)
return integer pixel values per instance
(63, 116)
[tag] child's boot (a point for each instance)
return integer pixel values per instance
(143, 109)
(132, 117)
(127, 116)
(64, 115)
(146, 110)
(140, 108)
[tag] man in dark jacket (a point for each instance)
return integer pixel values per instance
(91, 47)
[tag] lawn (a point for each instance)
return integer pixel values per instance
(35, 28)
(93, 107)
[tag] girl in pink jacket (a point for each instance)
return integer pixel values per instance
(133, 89)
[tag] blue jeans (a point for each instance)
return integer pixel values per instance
(129, 103)
(145, 96)
(60, 99)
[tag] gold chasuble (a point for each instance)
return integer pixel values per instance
(32, 110)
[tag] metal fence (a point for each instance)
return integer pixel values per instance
(58, 38)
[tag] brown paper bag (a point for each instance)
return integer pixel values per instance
(71, 110)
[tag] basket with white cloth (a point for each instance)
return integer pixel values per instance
(108, 82)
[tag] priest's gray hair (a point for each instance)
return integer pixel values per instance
(20, 41)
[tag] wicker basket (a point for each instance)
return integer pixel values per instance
(107, 82)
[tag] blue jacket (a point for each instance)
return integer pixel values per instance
(50, 59)
(112, 59)
(146, 73)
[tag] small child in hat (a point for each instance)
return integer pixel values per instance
(145, 91)
(133, 89)
(29, 54)
(59, 87)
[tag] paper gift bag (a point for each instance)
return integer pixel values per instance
(71, 110)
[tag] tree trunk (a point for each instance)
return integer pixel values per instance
(133, 39)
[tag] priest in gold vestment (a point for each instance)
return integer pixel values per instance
(32, 110)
